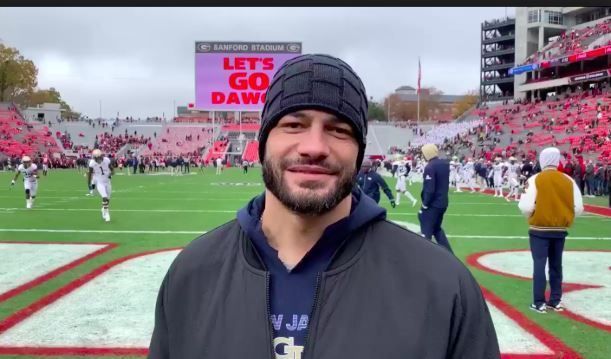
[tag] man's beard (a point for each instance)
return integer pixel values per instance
(306, 203)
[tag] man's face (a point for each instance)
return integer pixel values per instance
(310, 161)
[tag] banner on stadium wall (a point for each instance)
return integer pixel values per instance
(560, 61)
(589, 76)
(234, 76)
(524, 68)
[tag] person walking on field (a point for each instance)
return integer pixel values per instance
(435, 186)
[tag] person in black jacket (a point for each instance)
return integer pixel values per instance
(435, 186)
(311, 268)
(370, 182)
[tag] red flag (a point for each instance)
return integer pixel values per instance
(419, 75)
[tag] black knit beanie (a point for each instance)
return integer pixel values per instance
(317, 82)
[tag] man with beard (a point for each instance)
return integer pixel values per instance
(311, 267)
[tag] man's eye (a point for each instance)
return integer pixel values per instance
(291, 125)
(342, 131)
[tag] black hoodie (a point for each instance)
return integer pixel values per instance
(292, 292)
(387, 293)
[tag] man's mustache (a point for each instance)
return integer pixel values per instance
(331, 167)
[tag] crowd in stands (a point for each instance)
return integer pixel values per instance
(223, 121)
(578, 123)
(110, 143)
(107, 142)
(441, 133)
(65, 139)
(180, 140)
(17, 137)
(571, 42)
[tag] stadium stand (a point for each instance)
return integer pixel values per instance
(180, 140)
(578, 124)
(218, 150)
(18, 138)
(251, 152)
(439, 134)
(382, 136)
(573, 41)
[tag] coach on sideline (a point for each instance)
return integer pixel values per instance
(370, 182)
(551, 202)
(435, 186)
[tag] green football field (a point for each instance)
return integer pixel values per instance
(153, 212)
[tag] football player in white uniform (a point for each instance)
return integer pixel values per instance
(30, 180)
(101, 169)
(468, 174)
(460, 173)
(497, 173)
(454, 171)
(512, 174)
(401, 174)
(219, 166)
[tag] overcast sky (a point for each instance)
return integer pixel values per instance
(137, 61)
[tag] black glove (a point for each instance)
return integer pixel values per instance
(393, 204)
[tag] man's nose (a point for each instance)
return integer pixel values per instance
(314, 143)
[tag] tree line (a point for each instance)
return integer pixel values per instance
(19, 82)
(394, 108)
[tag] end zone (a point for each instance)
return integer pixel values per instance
(25, 265)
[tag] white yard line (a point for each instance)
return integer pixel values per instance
(485, 215)
(522, 237)
(147, 198)
(43, 230)
(412, 227)
(120, 210)
(13, 209)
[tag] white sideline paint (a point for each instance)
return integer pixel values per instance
(23, 262)
(512, 338)
(411, 226)
(414, 229)
(26, 230)
(122, 314)
(589, 267)
(12, 209)
(115, 309)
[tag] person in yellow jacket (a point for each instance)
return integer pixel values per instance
(551, 202)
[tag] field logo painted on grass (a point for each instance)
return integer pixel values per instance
(586, 280)
(120, 321)
(24, 265)
(519, 337)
